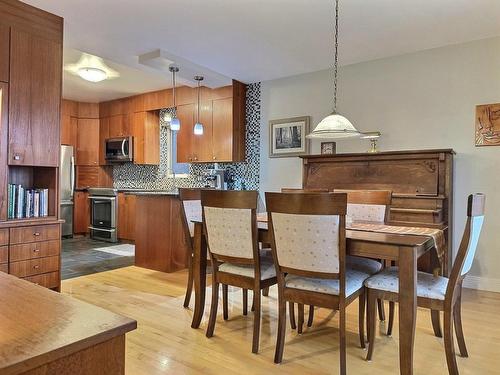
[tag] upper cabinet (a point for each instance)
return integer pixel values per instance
(35, 98)
(4, 53)
(69, 122)
(87, 149)
(222, 113)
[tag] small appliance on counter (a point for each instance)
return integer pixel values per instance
(103, 214)
(214, 178)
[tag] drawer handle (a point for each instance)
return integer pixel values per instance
(36, 250)
(36, 266)
(36, 234)
(17, 157)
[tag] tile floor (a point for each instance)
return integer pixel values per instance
(79, 258)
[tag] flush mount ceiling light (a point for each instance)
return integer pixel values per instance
(334, 126)
(91, 68)
(198, 127)
(175, 123)
(92, 74)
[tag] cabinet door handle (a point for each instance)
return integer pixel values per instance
(36, 250)
(17, 157)
(36, 266)
(36, 234)
(214, 158)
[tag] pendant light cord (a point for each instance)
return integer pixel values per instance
(336, 61)
(173, 90)
(198, 120)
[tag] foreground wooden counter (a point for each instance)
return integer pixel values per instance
(160, 243)
(44, 332)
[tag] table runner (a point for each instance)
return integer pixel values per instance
(436, 234)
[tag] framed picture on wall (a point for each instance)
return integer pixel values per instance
(287, 137)
(488, 125)
(328, 148)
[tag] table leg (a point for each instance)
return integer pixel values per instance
(407, 307)
(199, 274)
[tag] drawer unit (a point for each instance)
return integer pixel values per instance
(48, 280)
(34, 266)
(4, 237)
(4, 254)
(4, 268)
(34, 250)
(35, 233)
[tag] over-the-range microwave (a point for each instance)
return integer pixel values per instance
(119, 149)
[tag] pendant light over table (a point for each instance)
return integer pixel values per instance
(175, 123)
(198, 127)
(334, 126)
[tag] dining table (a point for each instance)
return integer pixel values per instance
(405, 249)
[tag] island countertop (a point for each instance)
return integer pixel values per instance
(40, 327)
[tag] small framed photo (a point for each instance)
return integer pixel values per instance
(287, 137)
(328, 148)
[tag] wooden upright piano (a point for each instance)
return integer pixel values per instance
(421, 182)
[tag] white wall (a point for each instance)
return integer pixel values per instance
(418, 101)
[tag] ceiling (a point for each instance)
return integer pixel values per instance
(257, 40)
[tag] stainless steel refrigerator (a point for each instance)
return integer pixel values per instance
(67, 184)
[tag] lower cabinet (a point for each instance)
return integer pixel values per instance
(81, 212)
(126, 216)
(32, 253)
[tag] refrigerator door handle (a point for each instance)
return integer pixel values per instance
(72, 176)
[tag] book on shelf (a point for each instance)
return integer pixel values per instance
(26, 203)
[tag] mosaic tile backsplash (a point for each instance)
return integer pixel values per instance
(244, 175)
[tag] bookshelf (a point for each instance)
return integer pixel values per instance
(35, 178)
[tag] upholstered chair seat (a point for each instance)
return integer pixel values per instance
(428, 285)
(353, 282)
(366, 265)
(267, 269)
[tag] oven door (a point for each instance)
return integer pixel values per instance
(103, 212)
(119, 149)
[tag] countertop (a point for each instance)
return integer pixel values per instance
(141, 191)
(40, 326)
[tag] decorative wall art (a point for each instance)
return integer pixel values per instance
(488, 125)
(287, 137)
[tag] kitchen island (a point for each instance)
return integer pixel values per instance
(160, 242)
(44, 332)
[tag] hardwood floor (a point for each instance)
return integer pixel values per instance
(164, 342)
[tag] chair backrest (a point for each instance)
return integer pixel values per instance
(191, 210)
(230, 222)
(468, 245)
(368, 205)
(312, 190)
(308, 233)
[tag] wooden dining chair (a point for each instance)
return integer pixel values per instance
(308, 243)
(300, 323)
(435, 292)
(230, 223)
(373, 206)
(191, 209)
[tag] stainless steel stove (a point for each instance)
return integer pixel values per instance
(103, 214)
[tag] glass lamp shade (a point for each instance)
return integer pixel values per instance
(332, 127)
(92, 74)
(198, 129)
(175, 124)
(167, 117)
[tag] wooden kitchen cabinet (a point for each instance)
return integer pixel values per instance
(87, 150)
(69, 122)
(146, 132)
(103, 135)
(93, 176)
(126, 216)
(119, 126)
(222, 113)
(186, 115)
(4, 53)
(81, 213)
(35, 99)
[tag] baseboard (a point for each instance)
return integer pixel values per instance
(482, 283)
